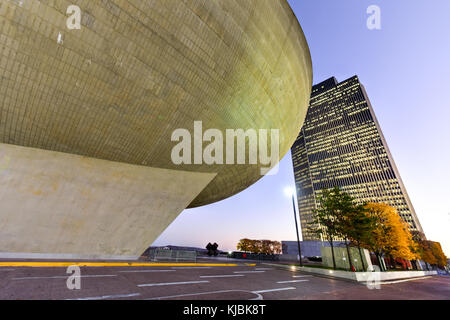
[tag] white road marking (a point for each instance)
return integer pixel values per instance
(7, 269)
(170, 283)
(301, 276)
(65, 277)
(292, 281)
(274, 290)
(202, 293)
(109, 297)
(149, 271)
(223, 276)
(260, 269)
(249, 271)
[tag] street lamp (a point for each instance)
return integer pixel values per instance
(290, 192)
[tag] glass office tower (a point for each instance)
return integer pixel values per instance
(341, 144)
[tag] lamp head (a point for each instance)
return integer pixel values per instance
(289, 191)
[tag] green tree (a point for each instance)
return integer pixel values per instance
(326, 219)
(344, 222)
(339, 217)
(357, 227)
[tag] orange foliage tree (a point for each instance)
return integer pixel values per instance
(244, 245)
(441, 259)
(431, 253)
(390, 235)
(259, 246)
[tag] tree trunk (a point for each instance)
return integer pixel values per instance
(349, 256)
(332, 253)
(393, 262)
(379, 261)
(361, 257)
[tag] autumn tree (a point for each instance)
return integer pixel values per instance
(426, 254)
(402, 244)
(416, 248)
(266, 247)
(259, 246)
(431, 253)
(277, 247)
(390, 235)
(255, 246)
(244, 245)
(441, 259)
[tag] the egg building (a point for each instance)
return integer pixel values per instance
(86, 115)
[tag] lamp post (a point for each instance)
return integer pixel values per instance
(290, 192)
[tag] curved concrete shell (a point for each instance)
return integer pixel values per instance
(139, 69)
(87, 115)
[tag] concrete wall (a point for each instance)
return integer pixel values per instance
(309, 248)
(342, 259)
(56, 203)
(288, 257)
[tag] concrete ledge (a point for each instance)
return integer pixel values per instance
(362, 276)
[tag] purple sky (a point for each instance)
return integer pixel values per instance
(405, 68)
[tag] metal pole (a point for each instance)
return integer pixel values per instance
(296, 228)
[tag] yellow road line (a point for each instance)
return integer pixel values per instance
(112, 264)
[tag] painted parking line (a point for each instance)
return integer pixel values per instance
(112, 264)
(200, 294)
(273, 290)
(65, 277)
(223, 276)
(249, 271)
(171, 283)
(292, 281)
(117, 296)
(137, 271)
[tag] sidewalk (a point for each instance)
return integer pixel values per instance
(363, 277)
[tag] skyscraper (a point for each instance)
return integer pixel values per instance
(341, 144)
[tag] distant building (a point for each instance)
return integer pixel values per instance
(341, 144)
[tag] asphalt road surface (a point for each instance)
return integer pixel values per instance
(200, 282)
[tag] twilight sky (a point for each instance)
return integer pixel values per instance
(405, 68)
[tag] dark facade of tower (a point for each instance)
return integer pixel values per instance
(341, 144)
